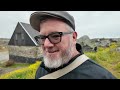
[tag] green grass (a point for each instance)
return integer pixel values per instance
(108, 58)
(24, 73)
(19, 65)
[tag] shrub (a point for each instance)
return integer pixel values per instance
(25, 73)
(9, 63)
(108, 57)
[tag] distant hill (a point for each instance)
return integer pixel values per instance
(85, 40)
(4, 41)
(90, 44)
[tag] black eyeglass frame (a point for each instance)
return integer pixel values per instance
(48, 36)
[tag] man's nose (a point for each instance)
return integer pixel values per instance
(47, 43)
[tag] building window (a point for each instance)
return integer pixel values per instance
(16, 37)
(22, 35)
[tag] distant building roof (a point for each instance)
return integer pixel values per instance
(27, 29)
(30, 31)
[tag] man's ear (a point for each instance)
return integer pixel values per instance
(75, 36)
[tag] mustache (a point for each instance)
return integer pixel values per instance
(51, 50)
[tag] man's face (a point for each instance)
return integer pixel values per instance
(58, 54)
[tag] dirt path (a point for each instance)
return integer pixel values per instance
(7, 70)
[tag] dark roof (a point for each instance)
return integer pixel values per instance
(30, 31)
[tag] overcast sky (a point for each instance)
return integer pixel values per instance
(95, 24)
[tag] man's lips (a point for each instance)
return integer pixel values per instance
(50, 51)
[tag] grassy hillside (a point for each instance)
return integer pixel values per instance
(109, 58)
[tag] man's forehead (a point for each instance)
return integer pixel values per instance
(46, 32)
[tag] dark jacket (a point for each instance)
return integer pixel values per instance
(88, 70)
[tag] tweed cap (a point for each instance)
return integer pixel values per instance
(37, 17)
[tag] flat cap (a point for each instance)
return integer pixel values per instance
(37, 17)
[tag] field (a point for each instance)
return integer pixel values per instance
(27, 72)
(107, 57)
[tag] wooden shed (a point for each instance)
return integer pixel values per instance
(22, 45)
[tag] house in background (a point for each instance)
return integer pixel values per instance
(22, 45)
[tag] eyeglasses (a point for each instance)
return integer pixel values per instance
(54, 37)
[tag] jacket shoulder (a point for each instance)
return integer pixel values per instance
(89, 70)
(40, 72)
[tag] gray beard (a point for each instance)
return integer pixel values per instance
(53, 62)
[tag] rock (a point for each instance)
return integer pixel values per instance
(86, 43)
(1, 70)
(118, 49)
(105, 43)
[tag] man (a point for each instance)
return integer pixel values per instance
(62, 55)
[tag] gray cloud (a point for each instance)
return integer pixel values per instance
(92, 23)
(97, 23)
